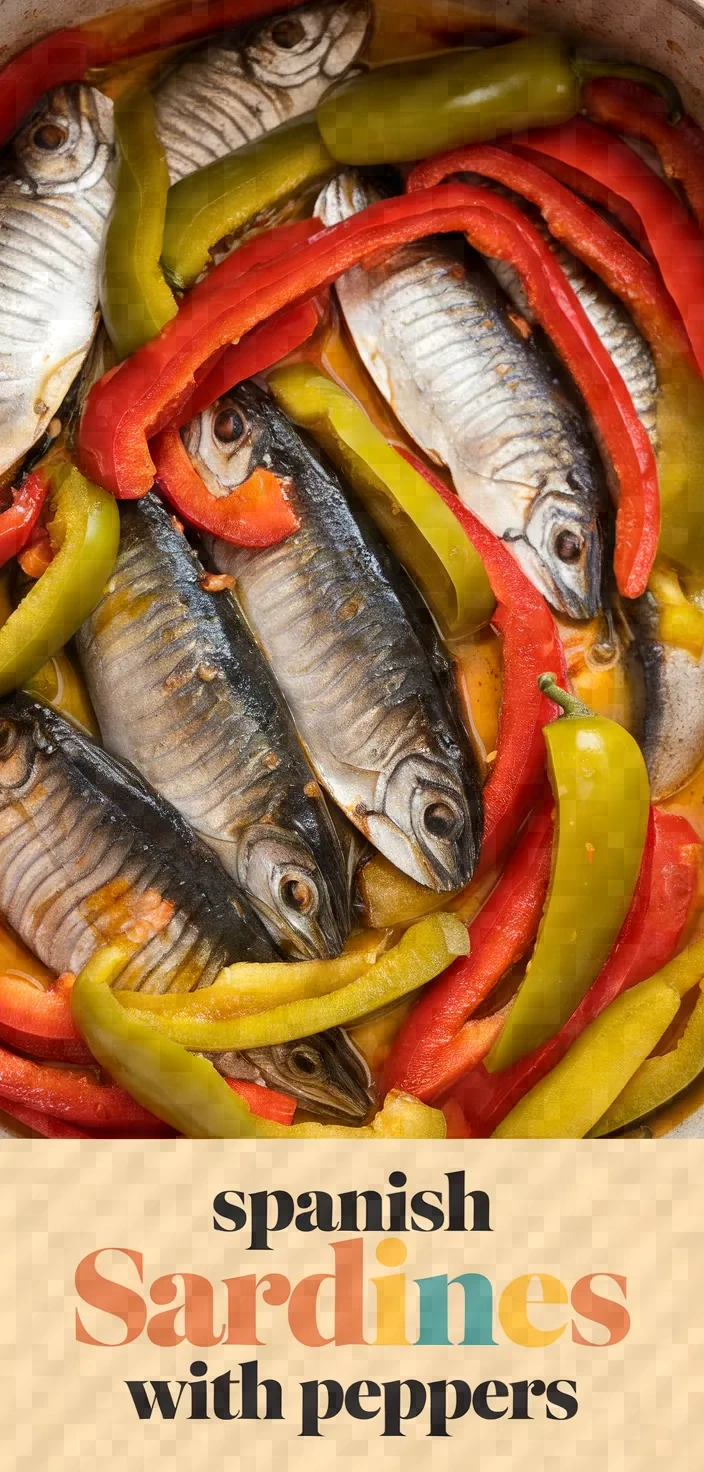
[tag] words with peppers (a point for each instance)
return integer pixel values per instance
(350, 1299)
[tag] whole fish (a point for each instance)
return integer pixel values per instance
(231, 91)
(475, 395)
(670, 724)
(182, 692)
(330, 610)
(56, 192)
(327, 1073)
(88, 850)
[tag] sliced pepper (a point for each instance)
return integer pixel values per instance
(424, 950)
(566, 1104)
(68, 1093)
(600, 784)
(672, 234)
(85, 531)
(257, 514)
(659, 1079)
(632, 109)
(427, 538)
(135, 299)
(434, 1048)
(653, 928)
(680, 621)
(408, 109)
(223, 197)
(17, 522)
(144, 394)
(186, 1091)
(60, 685)
(38, 1021)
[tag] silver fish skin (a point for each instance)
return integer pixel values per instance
(56, 193)
(671, 706)
(182, 692)
(327, 1073)
(231, 91)
(436, 339)
(372, 710)
(82, 838)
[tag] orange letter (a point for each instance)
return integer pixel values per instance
(242, 1304)
(513, 1309)
(111, 1297)
(600, 1310)
(197, 1312)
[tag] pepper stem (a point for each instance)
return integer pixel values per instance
(571, 705)
(588, 70)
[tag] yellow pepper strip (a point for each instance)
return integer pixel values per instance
(250, 987)
(392, 898)
(424, 951)
(422, 531)
(85, 532)
(680, 430)
(221, 198)
(187, 1092)
(680, 621)
(60, 685)
(135, 299)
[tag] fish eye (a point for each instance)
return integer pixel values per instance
(441, 821)
(568, 546)
(49, 136)
(229, 426)
(288, 32)
(8, 739)
(297, 895)
(303, 1062)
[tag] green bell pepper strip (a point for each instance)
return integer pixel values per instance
(222, 197)
(423, 532)
(409, 109)
(187, 1092)
(135, 299)
(84, 528)
(570, 1099)
(600, 783)
(425, 950)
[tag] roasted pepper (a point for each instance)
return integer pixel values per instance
(680, 620)
(600, 785)
(656, 920)
(186, 1091)
(635, 110)
(581, 1088)
(84, 527)
(221, 198)
(408, 109)
(60, 684)
(257, 514)
(135, 299)
(17, 522)
(145, 394)
(426, 949)
(38, 1020)
(427, 538)
(659, 1079)
(672, 234)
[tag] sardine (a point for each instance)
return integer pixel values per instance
(231, 91)
(85, 845)
(56, 192)
(436, 338)
(670, 724)
(182, 691)
(327, 1073)
(326, 607)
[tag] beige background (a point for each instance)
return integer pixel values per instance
(628, 1207)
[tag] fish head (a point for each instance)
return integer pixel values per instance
(325, 1072)
(286, 885)
(227, 442)
(68, 141)
(317, 42)
(423, 824)
(561, 551)
(22, 740)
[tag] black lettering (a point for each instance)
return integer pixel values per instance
(311, 1413)
(521, 1389)
(261, 1225)
(229, 1212)
(393, 1415)
(353, 1399)
(482, 1395)
(251, 1385)
(427, 1212)
(162, 1398)
(320, 1217)
(439, 1416)
(457, 1198)
(222, 1397)
(373, 1216)
(562, 1399)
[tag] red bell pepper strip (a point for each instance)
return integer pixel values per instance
(673, 235)
(40, 1021)
(586, 234)
(66, 56)
(632, 109)
(281, 335)
(146, 392)
(256, 514)
(529, 635)
(45, 1124)
(267, 1103)
(648, 939)
(68, 1094)
(17, 522)
(433, 1049)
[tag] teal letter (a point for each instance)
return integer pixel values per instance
(478, 1309)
